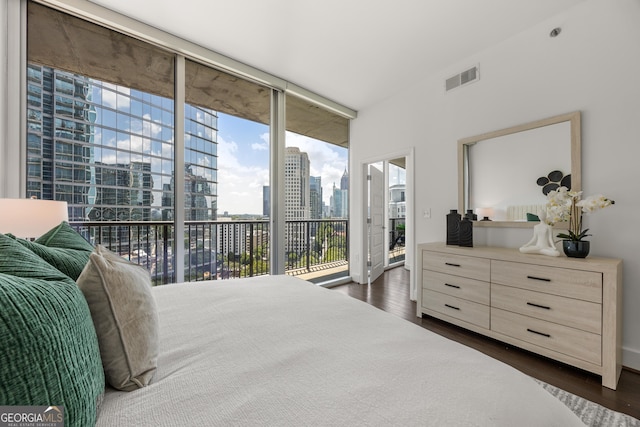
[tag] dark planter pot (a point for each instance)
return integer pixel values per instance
(579, 249)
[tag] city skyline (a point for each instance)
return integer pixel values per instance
(101, 127)
(243, 164)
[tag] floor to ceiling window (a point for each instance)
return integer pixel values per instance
(316, 192)
(163, 157)
(235, 241)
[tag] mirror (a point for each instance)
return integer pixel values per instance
(505, 174)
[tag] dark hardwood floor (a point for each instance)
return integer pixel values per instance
(390, 293)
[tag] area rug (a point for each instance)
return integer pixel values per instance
(592, 414)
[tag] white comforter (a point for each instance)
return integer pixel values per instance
(278, 351)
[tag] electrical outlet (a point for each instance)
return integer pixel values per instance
(427, 213)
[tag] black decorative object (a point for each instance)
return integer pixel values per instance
(470, 215)
(542, 181)
(553, 181)
(555, 176)
(453, 227)
(466, 232)
(576, 248)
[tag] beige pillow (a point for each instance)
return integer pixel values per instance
(125, 317)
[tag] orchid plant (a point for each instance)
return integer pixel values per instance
(563, 205)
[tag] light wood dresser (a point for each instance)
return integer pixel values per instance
(567, 309)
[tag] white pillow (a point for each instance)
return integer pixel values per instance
(125, 317)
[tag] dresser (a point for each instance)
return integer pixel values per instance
(567, 309)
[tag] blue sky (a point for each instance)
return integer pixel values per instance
(243, 163)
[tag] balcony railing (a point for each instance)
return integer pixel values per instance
(221, 249)
(396, 240)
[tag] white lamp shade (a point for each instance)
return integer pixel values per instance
(29, 218)
(484, 212)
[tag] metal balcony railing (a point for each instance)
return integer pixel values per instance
(220, 249)
(396, 240)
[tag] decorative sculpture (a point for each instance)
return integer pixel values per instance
(542, 240)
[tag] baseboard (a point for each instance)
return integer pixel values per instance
(631, 358)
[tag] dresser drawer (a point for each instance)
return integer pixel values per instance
(459, 265)
(578, 314)
(585, 285)
(572, 342)
(471, 312)
(461, 287)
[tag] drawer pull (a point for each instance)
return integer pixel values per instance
(539, 306)
(452, 286)
(450, 306)
(542, 279)
(450, 264)
(538, 333)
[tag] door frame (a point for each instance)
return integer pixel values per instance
(410, 251)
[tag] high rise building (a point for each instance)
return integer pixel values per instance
(339, 203)
(344, 181)
(296, 184)
(297, 200)
(339, 199)
(108, 151)
(397, 202)
(315, 192)
(266, 201)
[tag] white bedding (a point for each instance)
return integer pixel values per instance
(278, 351)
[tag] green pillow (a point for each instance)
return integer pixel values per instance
(532, 217)
(64, 236)
(49, 351)
(63, 248)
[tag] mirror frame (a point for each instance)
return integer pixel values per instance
(576, 167)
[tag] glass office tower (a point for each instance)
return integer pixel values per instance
(108, 150)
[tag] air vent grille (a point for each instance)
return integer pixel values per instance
(468, 76)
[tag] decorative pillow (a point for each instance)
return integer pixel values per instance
(125, 316)
(63, 248)
(532, 217)
(49, 352)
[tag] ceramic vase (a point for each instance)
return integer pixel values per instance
(576, 249)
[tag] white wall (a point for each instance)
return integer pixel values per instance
(592, 66)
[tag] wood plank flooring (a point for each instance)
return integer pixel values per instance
(390, 293)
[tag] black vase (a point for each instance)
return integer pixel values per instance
(576, 249)
(466, 233)
(453, 227)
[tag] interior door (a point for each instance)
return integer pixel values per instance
(376, 223)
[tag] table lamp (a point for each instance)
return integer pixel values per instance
(31, 218)
(485, 214)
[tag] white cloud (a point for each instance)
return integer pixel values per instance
(239, 186)
(109, 99)
(151, 128)
(262, 146)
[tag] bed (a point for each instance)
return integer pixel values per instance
(262, 351)
(279, 351)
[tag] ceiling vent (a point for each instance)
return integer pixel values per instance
(468, 76)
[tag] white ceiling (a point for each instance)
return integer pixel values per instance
(355, 52)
